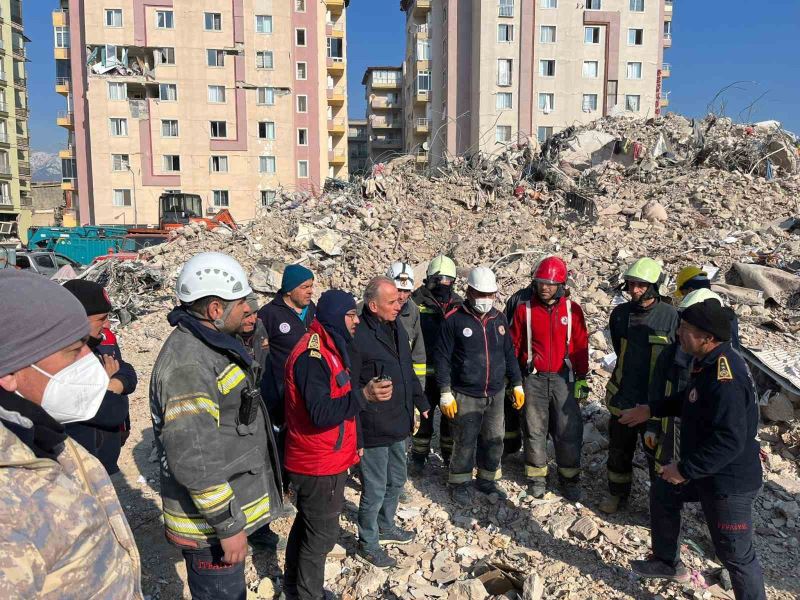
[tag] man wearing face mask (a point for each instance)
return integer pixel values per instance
(435, 298)
(640, 330)
(103, 434)
(63, 533)
(473, 358)
(220, 478)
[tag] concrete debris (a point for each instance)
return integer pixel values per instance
(584, 529)
(778, 408)
(469, 589)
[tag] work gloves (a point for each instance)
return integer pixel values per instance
(651, 439)
(447, 403)
(518, 400)
(581, 389)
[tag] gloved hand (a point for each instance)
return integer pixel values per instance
(581, 389)
(650, 439)
(447, 403)
(519, 397)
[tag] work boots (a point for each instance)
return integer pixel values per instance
(537, 487)
(611, 503)
(416, 465)
(460, 494)
(490, 487)
(652, 568)
(570, 488)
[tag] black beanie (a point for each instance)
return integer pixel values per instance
(710, 316)
(331, 309)
(92, 295)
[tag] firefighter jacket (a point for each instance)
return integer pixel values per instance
(219, 466)
(431, 317)
(409, 317)
(639, 335)
(321, 406)
(474, 354)
(719, 424)
(548, 338)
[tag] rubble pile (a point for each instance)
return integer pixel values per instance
(709, 192)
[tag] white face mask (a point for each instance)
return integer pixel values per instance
(75, 393)
(483, 305)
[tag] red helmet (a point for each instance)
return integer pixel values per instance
(551, 270)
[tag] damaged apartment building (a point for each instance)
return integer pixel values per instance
(233, 103)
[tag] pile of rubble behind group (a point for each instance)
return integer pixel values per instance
(710, 192)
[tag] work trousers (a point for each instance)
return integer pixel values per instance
(621, 449)
(383, 475)
(478, 430)
(551, 407)
(730, 523)
(211, 579)
(319, 501)
(421, 442)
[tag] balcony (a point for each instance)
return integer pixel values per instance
(422, 156)
(386, 123)
(63, 85)
(336, 64)
(65, 119)
(384, 103)
(61, 18)
(337, 126)
(666, 70)
(421, 7)
(68, 184)
(667, 40)
(24, 168)
(387, 142)
(19, 52)
(68, 152)
(387, 83)
(421, 31)
(668, 6)
(335, 30)
(336, 95)
(20, 82)
(23, 143)
(422, 96)
(337, 157)
(16, 20)
(335, 6)
(21, 112)
(423, 65)
(664, 100)
(422, 125)
(61, 53)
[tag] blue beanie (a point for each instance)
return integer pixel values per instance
(293, 276)
(333, 305)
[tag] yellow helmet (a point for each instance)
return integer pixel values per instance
(697, 296)
(442, 266)
(685, 274)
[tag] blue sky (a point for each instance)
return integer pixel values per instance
(714, 44)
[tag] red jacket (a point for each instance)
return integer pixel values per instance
(549, 330)
(311, 450)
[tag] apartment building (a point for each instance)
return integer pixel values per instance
(228, 99)
(486, 73)
(383, 91)
(15, 166)
(357, 146)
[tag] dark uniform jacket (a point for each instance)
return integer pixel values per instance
(384, 350)
(474, 354)
(431, 317)
(719, 424)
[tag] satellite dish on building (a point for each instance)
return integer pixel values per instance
(425, 146)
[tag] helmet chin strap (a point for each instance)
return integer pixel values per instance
(219, 324)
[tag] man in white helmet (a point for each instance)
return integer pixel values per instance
(220, 479)
(403, 276)
(473, 358)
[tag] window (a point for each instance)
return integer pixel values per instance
(118, 126)
(113, 17)
(547, 102)
(336, 49)
(117, 91)
(635, 37)
(120, 162)
(213, 21)
(504, 66)
(221, 198)
(543, 133)
(300, 5)
(667, 29)
(218, 164)
(589, 103)
(172, 163)
(424, 50)
(219, 129)
(302, 137)
(632, 103)
(547, 67)
(61, 37)
(549, 4)
(300, 37)
(301, 71)
(168, 92)
(264, 59)
(302, 104)
(637, 6)
(590, 69)
(169, 128)
(265, 96)
(594, 4)
(424, 81)
(216, 94)
(267, 197)
(591, 35)
(302, 168)
(215, 58)
(166, 56)
(503, 101)
(634, 70)
(505, 33)
(506, 8)
(263, 23)
(266, 164)
(121, 198)
(266, 130)
(502, 133)
(165, 19)
(547, 34)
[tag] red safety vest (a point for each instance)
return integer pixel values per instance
(309, 449)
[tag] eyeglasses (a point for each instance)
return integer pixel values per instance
(351, 315)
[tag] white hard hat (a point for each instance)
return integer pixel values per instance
(212, 274)
(403, 275)
(698, 296)
(482, 279)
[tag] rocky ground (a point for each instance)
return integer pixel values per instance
(694, 192)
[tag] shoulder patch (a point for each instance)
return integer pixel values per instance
(315, 354)
(314, 342)
(724, 372)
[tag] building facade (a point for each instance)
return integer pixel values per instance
(486, 73)
(383, 91)
(15, 166)
(228, 99)
(357, 146)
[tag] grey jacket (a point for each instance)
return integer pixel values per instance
(409, 317)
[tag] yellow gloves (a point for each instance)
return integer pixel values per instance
(581, 389)
(519, 397)
(447, 403)
(650, 439)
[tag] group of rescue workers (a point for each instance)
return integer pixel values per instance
(252, 404)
